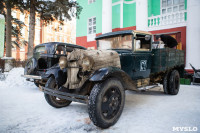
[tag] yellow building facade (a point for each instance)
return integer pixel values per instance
(53, 32)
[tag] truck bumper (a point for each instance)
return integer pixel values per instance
(32, 77)
(66, 96)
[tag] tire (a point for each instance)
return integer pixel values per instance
(166, 83)
(174, 82)
(106, 103)
(36, 84)
(52, 100)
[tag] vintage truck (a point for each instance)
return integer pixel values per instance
(44, 62)
(124, 60)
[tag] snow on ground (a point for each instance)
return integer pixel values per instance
(24, 109)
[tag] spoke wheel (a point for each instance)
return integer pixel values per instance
(110, 104)
(106, 102)
(52, 100)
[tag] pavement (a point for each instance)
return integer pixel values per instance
(23, 109)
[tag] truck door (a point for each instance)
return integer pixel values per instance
(141, 56)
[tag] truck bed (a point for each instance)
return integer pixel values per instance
(166, 58)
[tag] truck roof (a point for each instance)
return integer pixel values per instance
(53, 44)
(123, 32)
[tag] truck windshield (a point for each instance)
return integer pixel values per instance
(117, 42)
(40, 49)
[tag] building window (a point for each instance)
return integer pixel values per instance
(92, 25)
(60, 28)
(60, 38)
(49, 28)
(38, 21)
(169, 6)
(55, 39)
(14, 14)
(37, 34)
(65, 39)
(91, 1)
(23, 32)
(65, 28)
(22, 17)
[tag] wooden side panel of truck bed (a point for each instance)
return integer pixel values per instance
(166, 58)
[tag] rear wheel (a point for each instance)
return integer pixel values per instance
(52, 100)
(166, 82)
(174, 82)
(106, 103)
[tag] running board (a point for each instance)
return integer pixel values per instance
(66, 96)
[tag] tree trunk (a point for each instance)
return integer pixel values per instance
(8, 29)
(31, 29)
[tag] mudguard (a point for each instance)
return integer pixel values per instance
(60, 75)
(104, 73)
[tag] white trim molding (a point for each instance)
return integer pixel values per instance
(167, 26)
(167, 20)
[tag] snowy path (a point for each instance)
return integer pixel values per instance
(24, 109)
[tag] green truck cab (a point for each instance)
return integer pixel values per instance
(125, 60)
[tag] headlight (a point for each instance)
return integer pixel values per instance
(63, 62)
(87, 63)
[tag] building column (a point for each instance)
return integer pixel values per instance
(193, 34)
(2, 35)
(141, 15)
(106, 16)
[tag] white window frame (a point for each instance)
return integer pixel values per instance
(65, 28)
(23, 32)
(14, 14)
(91, 1)
(171, 6)
(37, 34)
(60, 38)
(49, 28)
(92, 26)
(65, 39)
(22, 17)
(56, 38)
(37, 21)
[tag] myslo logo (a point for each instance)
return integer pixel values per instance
(184, 129)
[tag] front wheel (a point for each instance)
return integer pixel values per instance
(36, 84)
(52, 100)
(106, 103)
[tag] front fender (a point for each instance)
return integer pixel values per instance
(60, 75)
(103, 73)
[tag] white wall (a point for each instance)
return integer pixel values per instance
(141, 15)
(106, 16)
(193, 34)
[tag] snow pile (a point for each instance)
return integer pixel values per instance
(14, 78)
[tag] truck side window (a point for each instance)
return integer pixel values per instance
(60, 50)
(138, 44)
(141, 43)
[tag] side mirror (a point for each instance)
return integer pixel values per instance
(147, 37)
